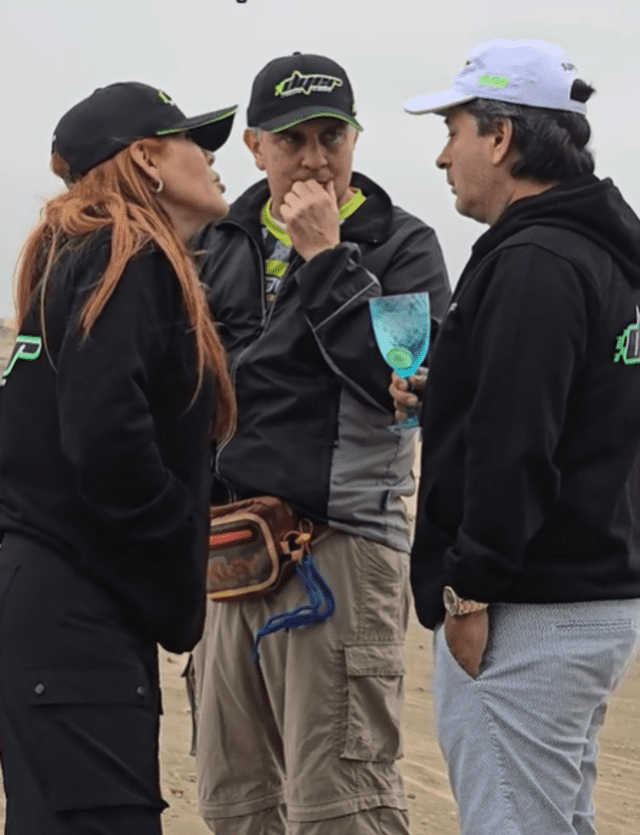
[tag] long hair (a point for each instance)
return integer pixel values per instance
(116, 194)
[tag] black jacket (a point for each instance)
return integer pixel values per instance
(101, 455)
(531, 423)
(311, 384)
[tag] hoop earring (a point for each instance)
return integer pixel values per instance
(158, 186)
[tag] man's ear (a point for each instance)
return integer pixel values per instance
(253, 143)
(502, 143)
(145, 159)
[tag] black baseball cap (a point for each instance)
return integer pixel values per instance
(115, 116)
(298, 87)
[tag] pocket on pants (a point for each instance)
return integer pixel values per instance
(601, 647)
(439, 635)
(374, 698)
(94, 737)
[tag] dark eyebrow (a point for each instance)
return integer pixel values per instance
(295, 134)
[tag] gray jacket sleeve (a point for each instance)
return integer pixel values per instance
(335, 288)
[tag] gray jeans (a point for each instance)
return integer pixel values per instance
(520, 739)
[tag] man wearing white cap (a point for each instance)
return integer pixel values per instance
(526, 559)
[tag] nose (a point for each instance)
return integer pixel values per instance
(442, 161)
(314, 155)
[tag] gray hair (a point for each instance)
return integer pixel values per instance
(551, 144)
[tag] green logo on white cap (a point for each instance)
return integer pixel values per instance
(498, 81)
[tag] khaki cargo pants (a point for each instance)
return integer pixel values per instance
(305, 741)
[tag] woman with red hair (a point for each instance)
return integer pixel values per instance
(116, 387)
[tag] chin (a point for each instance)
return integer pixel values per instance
(460, 207)
(221, 211)
(468, 211)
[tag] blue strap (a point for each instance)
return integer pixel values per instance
(319, 594)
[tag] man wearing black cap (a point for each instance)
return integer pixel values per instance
(305, 740)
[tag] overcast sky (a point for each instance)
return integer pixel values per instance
(205, 53)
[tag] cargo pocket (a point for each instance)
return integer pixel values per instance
(95, 737)
(375, 690)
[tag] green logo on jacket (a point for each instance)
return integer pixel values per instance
(26, 348)
(628, 343)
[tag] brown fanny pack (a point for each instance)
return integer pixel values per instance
(254, 546)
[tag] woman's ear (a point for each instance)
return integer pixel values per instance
(145, 158)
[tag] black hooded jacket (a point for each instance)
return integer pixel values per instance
(103, 455)
(531, 421)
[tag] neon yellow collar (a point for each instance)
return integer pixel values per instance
(354, 202)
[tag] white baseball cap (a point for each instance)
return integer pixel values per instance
(531, 72)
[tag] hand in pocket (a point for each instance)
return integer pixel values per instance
(467, 637)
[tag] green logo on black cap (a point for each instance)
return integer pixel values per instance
(164, 98)
(312, 83)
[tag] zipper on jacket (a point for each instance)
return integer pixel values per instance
(267, 313)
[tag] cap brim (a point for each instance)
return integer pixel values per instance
(436, 102)
(303, 115)
(210, 131)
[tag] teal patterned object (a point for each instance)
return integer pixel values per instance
(402, 328)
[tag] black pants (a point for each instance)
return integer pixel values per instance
(79, 703)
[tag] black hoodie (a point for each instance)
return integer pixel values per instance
(103, 455)
(531, 421)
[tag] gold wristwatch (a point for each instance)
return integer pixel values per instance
(456, 606)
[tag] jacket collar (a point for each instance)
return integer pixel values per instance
(370, 223)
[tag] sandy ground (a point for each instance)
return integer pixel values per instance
(431, 805)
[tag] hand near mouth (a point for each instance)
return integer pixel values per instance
(310, 211)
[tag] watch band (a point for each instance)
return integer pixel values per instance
(456, 605)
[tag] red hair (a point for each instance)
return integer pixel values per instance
(115, 194)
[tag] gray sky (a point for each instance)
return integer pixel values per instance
(205, 53)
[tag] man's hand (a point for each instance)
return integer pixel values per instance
(467, 637)
(311, 216)
(402, 397)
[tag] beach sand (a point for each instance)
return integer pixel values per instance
(431, 805)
